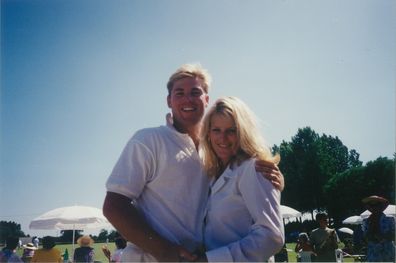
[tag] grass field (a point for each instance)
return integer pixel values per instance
(99, 256)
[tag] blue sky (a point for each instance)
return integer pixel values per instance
(80, 77)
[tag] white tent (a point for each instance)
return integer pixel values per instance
(346, 230)
(71, 218)
(353, 220)
(288, 212)
(389, 211)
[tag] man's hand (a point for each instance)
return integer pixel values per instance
(271, 171)
(185, 255)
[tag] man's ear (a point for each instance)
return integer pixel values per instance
(207, 100)
(168, 100)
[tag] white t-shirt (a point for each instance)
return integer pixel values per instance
(243, 221)
(161, 171)
(116, 256)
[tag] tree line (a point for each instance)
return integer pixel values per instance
(10, 228)
(321, 174)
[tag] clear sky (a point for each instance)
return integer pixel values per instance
(78, 78)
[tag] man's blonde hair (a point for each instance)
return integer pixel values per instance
(251, 143)
(190, 71)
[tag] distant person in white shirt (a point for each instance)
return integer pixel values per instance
(36, 241)
(157, 191)
(243, 221)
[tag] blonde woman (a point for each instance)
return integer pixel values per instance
(243, 220)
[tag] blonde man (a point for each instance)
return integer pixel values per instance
(160, 173)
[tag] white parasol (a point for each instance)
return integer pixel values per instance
(288, 212)
(71, 218)
(346, 230)
(353, 220)
(389, 211)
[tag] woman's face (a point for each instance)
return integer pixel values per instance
(223, 137)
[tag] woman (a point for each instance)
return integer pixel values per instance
(379, 231)
(28, 252)
(85, 253)
(304, 248)
(243, 221)
(48, 253)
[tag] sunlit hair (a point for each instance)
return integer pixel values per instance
(190, 71)
(251, 142)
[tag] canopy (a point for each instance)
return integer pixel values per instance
(288, 212)
(71, 218)
(389, 211)
(346, 230)
(353, 220)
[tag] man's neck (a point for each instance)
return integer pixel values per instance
(192, 131)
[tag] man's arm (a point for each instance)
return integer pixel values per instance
(271, 171)
(128, 222)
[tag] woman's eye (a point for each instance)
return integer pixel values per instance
(231, 131)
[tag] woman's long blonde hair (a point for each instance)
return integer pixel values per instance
(251, 142)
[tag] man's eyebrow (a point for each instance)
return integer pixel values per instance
(178, 88)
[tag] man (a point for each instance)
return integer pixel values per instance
(160, 173)
(324, 240)
(379, 230)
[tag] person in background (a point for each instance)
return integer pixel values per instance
(48, 253)
(84, 253)
(324, 240)
(7, 254)
(379, 231)
(282, 255)
(36, 241)
(243, 220)
(28, 252)
(116, 256)
(157, 191)
(304, 248)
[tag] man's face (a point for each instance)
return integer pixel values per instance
(188, 101)
(323, 222)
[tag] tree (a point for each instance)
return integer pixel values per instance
(103, 235)
(67, 235)
(299, 166)
(345, 190)
(113, 234)
(9, 228)
(308, 162)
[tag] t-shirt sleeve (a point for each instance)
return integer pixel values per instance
(132, 171)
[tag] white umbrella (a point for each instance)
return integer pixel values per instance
(288, 212)
(353, 220)
(389, 211)
(71, 218)
(346, 230)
